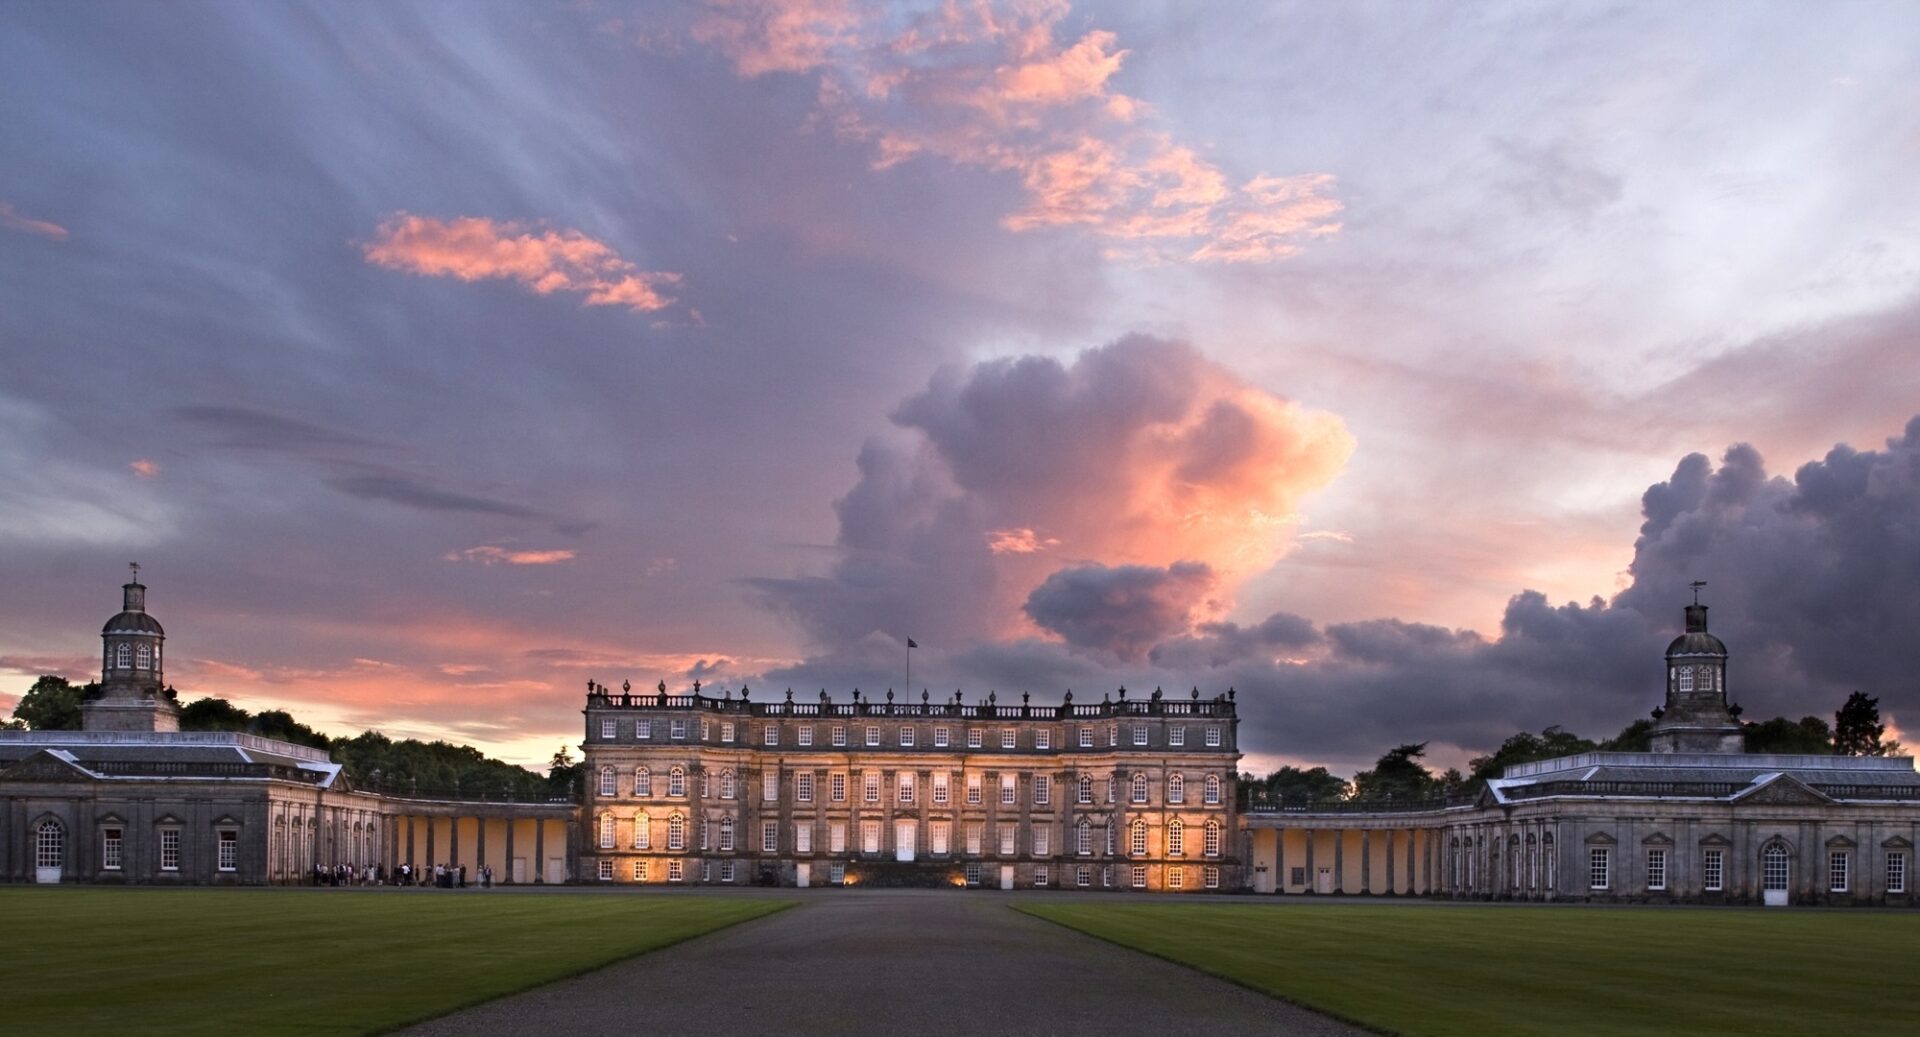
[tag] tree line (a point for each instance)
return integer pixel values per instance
(1399, 774)
(371, 760)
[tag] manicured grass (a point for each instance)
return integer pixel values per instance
(1437, 969)
(161, 961)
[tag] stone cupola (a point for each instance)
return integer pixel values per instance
(1695, 718)
(133, 695)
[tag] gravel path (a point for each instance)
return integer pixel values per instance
(847, 963)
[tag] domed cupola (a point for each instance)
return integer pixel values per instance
(1695, 717)
(133, 694)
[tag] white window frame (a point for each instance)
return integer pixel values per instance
(726, 835)
(609, 730)
(1176, 838)
(1211, 877)
(1211, 840)
(975, 833)
(1599, 867)
(974, 738)
(643, 730)
(1043, 739)
(1138, 789)
(606, 831)
(770, 735)
(974, 795)
(1009, 839)
(804, 734)
(607, 782)
(873, 735)
(942, 736)
(1839, 871)
(1896, 871)
(677, 782)
(1083, 789)
(837, 784)
(1176, 877)
(1210, 790)
(905, 783)
(803, 787)
(729, 787)
(1137, 838)
(726, 871)
(643, 783)
(113, 847)
(770, 785)
(726, 732)
(1213, 738)
(1176, 736)
(1042, 875)
(1713, 869)
(839, 735)
(642, 832)
(639, 871)
(837, 837)
(1139, 876)
(803, 837)
(1083, 876)
(676, 871)
(1009, 738)
(605, 870)
(1656, 870)
(226, 849)
(940, 838)
(677, 728)
(676, 833)
(906, 736)
(942, 790)
(1043, 840)
(769, 836)
(1086, 742)
(1009, 788)
(870, 787)
(1139, 734)
(1176, 788)
(1042, 790)
(870, 837)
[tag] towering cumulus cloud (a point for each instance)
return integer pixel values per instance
(1146, 479)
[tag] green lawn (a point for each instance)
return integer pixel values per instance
(161, 961)
(1436, 969)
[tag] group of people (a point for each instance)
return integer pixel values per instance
(442, 876)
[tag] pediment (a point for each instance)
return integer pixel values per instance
(45, 766)
(1657, 839)
(1898, 842)
(1716, 839)
(1601, 839)
(109, 819)
(1839, 842)
(1782, 790)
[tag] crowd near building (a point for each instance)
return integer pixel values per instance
(1131, 793)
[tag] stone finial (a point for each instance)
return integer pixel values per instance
(662, 687)
(626, 687)
(1069, 696)
(789, 694)
(1196, 693)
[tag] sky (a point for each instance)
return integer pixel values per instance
(1396, 366)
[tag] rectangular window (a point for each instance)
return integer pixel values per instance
(942, 737)
(643, 730)
(706, 871)
(1042, 875)
(1008, 789)
(1042, 841)
(837, 873)
(973, 790)
(1139, 734)
(1009, 835)
(1113, 787)
(803, 837)
(608, 729)
(1083, 876)
(676, 871)
(726, 732)
(837, 837)
(639, 870)
(1212, 840)
(803, 787)
(873, 734)
(1213, 738)
(973, 738)
(940, 783)
(1713, 869)
(169, 849)
(1656, 870)
(1113, 735)
(110, 845)
(726, 871)
(904, 781)
(1896, 871)
(1599, 867)
(606, 870)
(1176, 878)
(1009, 738)
(1043, 739)
(1139, 876)
(1086, 742)
(606, 781)
(870, 787)
(1042, 790)
(679, 730)
(706, 833)
(973, 838)
(973, 873)
(771, 736)
(227, 851)
(706, 730)
(941, 838)
(1838, 868)
(769, 836)
(676, 833)
(1212, 878)
(770, 785)
(805, 734)
(839, 783)
(869, 837)
(906, 736)
(840, 734)
(1176, 736)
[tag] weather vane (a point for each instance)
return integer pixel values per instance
(1696, 585)
(135, 566)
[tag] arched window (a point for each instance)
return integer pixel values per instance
(1139, 788)
(642, 782)
(1083, 837)
(606, 781)
(143, 657)
(49, 845)
(726, 834)
(1085, 795)
(1176, 838)
(1212, 848)
(124, 656)
(677, 781)
(1774, 868)
(1137, 844)
(676, 832)
(1176, 788)
(1686, 678)
(606, 831)
(1213, 788)
(726, 785)
(642, 832)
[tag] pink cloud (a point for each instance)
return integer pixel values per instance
(1018, 541)
(27, 225)
(144, 468)
(473, 248)
(996, 87)
(489, 554)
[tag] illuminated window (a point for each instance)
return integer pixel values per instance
(642, 832)
(606, 831)
(1176, 838)
(1176, 788)
(676, 832)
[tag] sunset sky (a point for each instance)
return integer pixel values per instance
(1396, 365)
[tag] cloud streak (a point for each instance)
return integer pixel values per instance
(12, 220)
(545, 261)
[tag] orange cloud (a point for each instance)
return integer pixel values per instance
(473, 248)
(489, 554)
(983, 86)
(1018, 541)
(144, 468)
(27, 225)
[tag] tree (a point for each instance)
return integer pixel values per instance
(1857, 727)
(212, 714)
(1636, 737)
(52, 704)
(1780, 735)
(563, 774)
(1524, 748)
(1397, 775)
(1295, 786)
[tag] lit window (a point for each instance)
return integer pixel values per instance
(1839, 868)
(1656, 870)
(227, 851)
(839, 734)
(1139, 876)
(676, 832)
(1599, 862)
(1176, 878)
(1713, 870)
(1176, 838)
(1212, 877)
(805, 734)
(1213, 738)
(606, 781)
(1085, 792)
(606, 870)
(676, 871)
(726, 835)
(1137, 839)
(1009, 789)
(606, 831)
(110, 848)
(727, 789)
(770, 785)
(803, 837)
(873, 734)
(1139, 788)
(608, 728)
(838, 782)
(941, 780)
(1896, 871)
(642, 833)
(1042, 875)
(1043, 739)
(973, 738)
(771, 735)
(1212, 795)
(1139, 734)
(1212, 847)
(769, 836)
(1176, 788)
(1042, 790)
(1009, 738)
(803, 787)
(973, 790)
(677, 781)
(639, 870)
(726, 732)
(870, 787)
(941, 737)
(905, 786)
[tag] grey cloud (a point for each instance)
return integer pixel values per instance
(417, 493)
(252, 429)
(1122, 609)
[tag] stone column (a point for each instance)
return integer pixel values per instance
(453, 842)
(1279, 860)
(481, 850)
(507, 875)
(431, 859)
(539, 850)
(1366, 860)
(1312, 835)
(1389, 855)
(1339, 860)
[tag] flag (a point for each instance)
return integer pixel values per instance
(911, 643)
